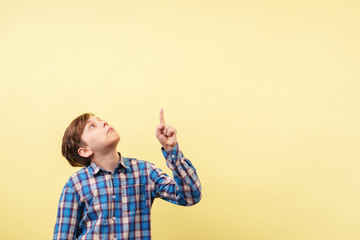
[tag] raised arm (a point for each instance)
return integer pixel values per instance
(185, 187)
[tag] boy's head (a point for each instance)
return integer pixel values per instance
(86, 135)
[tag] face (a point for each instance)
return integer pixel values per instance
(99, 137)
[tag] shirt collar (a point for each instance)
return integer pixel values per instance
(94, 168)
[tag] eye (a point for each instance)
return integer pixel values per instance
(92, 126)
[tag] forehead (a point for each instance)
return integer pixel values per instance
(94, 118)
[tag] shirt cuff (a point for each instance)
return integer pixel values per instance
(173, 154)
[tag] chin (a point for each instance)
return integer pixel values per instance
(117, 139)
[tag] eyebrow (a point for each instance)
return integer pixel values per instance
(90, 121)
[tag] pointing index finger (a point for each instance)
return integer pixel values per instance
(162, 121)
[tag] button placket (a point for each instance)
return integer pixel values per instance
(124, 204)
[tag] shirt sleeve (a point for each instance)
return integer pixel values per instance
(184, 188)
(68, 215)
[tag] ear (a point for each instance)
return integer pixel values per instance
(85, 152)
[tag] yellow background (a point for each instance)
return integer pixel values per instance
(264, 95)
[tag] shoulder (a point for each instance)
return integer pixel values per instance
(78, 178)
(140, 167)
(138, 164)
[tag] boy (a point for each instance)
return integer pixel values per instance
(111, 196)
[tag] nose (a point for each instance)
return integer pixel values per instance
(105, 123)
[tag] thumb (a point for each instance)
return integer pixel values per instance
(159, 128)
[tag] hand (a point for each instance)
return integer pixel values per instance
(165, 133)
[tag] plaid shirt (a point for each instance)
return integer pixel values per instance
(98, 204)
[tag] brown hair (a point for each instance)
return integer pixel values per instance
(72, 141)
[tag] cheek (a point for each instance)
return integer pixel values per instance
(86, 138)
(94, 140)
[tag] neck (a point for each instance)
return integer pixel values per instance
(106, 160)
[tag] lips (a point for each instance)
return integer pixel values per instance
(110, 129)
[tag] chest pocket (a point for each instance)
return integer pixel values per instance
(133, 198)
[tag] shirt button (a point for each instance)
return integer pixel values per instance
(114, 219)
(173, 156)
(113, 196)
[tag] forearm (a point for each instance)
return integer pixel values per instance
(188, 186)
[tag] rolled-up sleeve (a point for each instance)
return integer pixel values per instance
(184, 188)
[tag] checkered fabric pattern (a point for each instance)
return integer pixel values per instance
(98, 204)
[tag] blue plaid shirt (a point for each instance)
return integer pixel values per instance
(98, 204)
